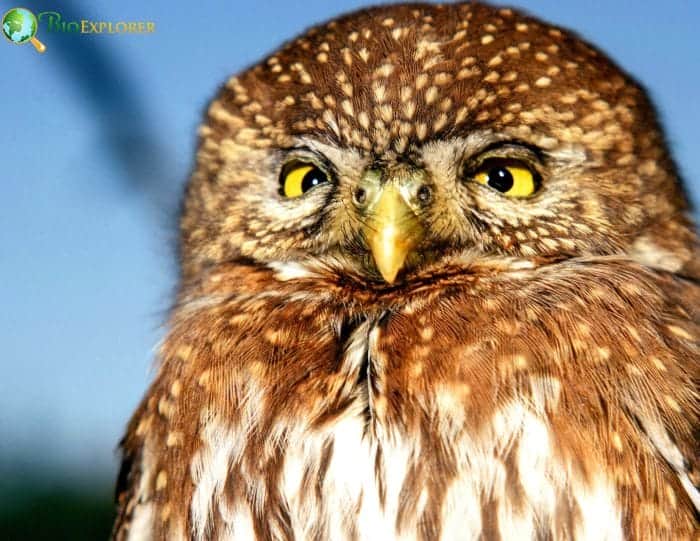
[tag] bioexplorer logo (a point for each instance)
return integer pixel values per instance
(54, 23)
(19, 25)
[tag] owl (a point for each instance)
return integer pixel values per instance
(438, 281)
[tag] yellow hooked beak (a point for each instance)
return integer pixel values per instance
(392, 231)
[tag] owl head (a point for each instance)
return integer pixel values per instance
(396, 139)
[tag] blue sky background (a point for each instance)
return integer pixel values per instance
(96, 141)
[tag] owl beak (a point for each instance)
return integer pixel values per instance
(392, 231)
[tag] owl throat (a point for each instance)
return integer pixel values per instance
(369, 461)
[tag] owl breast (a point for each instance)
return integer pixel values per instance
(410, 466)
(488, 407)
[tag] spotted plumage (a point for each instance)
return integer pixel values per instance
(439, 281)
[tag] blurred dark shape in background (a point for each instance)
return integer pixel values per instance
(112, 92)
(32, 505)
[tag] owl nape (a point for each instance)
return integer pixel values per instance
(439, 280)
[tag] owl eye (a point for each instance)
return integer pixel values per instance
(299, 178)
(512, 178)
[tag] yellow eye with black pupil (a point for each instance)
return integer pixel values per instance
(300, 178)
(511, 178)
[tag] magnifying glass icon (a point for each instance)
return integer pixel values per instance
(19, 25)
